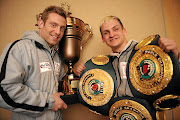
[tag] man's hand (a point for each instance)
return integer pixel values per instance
(168, 45)
(79, 69)
(59, 103)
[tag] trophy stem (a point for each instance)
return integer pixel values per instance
(70, 76)
(70, 83)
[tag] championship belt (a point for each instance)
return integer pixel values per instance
(96, 86)
(131, 108)
(153, 74)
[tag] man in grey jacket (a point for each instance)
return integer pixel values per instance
(31, 69)
(114, 35)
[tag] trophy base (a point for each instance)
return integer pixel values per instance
(70, 85)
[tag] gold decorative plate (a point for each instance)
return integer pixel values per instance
(146, 41)
(128, 109)
(100, 60)
(150, 70)
(96, 87)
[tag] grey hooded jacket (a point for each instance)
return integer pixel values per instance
(32, 75)
(119, 64)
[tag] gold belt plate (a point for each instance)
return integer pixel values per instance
(124, 109)
(157, 103)
(146, 41)
(96, 87)
(100, 60)
(150, 70)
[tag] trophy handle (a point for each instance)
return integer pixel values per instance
(89, 30)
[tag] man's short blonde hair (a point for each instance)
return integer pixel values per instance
(108, 18)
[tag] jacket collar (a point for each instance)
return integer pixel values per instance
(39, 41)
(127, 48)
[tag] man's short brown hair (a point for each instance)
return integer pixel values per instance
(51, 9)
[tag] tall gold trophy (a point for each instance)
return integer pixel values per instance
(75, 37)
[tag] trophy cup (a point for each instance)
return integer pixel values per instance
(70, 46)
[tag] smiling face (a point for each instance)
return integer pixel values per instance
(53, 29)
(113, 34)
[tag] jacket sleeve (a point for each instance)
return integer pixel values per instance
(62, 73)
(14, 94)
